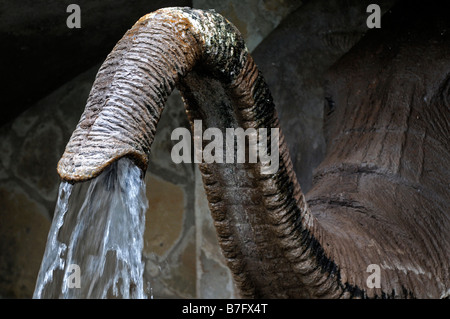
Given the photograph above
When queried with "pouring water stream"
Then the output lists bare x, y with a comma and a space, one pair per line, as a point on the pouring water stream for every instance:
94, 246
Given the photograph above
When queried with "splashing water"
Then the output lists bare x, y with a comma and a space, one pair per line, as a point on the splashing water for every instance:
94, 247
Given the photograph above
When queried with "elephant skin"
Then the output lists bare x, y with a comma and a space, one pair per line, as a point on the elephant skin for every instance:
294, 58
380, 196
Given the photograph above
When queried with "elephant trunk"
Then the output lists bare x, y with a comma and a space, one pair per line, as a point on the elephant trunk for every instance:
129, 93
265, 229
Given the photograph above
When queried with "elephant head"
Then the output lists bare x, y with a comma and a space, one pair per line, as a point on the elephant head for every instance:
380, 197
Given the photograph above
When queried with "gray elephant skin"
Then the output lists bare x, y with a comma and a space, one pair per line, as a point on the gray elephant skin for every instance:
380, 198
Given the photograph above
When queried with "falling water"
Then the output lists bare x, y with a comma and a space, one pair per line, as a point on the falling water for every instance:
95, 243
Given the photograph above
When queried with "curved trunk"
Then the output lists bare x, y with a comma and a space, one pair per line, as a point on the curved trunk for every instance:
274, 245
264, 227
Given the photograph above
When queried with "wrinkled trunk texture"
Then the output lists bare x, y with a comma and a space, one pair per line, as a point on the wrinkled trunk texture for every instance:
383, 188
261, 229
274, 245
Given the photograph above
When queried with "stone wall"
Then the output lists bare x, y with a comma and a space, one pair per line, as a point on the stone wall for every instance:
30, 147
181, 252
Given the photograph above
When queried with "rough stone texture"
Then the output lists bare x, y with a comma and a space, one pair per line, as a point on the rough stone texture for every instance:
215, 280
173, 276
33, 142
36, 165
30, 148
23, 234
164, 218
171, 269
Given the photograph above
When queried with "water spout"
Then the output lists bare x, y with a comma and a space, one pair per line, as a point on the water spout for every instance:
95, 242
110, 146
205, 57
275, 244
159, 52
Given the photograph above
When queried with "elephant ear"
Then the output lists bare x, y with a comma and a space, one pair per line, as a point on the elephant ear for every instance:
381, 194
